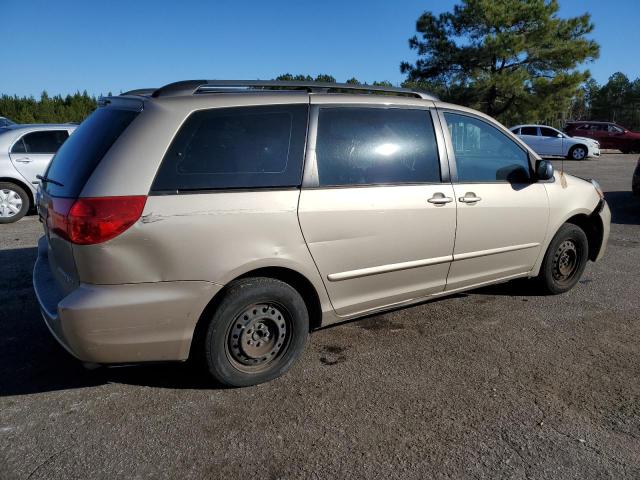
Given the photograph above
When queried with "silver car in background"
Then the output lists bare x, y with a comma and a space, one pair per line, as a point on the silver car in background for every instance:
25, 153
547, 141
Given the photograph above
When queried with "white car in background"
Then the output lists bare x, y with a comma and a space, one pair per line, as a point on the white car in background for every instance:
547, 141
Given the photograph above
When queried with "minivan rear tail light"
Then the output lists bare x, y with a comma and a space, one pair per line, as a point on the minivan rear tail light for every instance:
87, 221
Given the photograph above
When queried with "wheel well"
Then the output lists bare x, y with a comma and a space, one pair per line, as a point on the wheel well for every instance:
592, 226
578, 145
22, 185
298, 281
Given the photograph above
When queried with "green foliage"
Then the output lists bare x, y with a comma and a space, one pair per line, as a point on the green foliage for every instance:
58, 109
513, 59
618, 100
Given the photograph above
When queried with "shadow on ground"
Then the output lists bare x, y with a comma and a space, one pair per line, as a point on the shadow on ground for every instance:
625, 207
31, 361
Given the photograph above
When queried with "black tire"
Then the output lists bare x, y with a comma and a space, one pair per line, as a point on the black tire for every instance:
565, 260
573, 150
10, 190
269, 321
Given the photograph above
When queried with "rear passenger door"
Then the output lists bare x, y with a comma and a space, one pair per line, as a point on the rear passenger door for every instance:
529, 135
377, 209
32, 152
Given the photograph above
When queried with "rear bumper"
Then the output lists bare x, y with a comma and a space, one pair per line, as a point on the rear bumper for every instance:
122, 323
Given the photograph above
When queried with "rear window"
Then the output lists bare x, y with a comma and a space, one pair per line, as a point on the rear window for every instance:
80, 154
239, 147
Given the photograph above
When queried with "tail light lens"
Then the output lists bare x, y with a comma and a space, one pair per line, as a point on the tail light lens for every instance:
87, 221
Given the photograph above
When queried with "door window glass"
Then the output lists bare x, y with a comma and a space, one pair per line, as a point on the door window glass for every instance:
19, 147
45, 142
367, 146
548, 132
529, 131
483, 153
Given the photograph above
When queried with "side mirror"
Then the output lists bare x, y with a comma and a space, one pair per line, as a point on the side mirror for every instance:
544, 170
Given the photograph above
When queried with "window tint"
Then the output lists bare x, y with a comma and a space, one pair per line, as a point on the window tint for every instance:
241, 147
548, 132
363, 146
516, 131
19, 147
44, 142
483, 153
529, 131
79, 156
615, 129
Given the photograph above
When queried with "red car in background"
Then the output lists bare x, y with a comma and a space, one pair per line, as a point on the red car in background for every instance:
609, 134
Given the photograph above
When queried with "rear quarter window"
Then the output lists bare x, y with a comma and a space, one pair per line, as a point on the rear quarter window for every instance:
239, 147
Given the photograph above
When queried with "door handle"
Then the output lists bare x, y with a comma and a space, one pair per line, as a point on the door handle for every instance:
439, 199
23, 160
469, 197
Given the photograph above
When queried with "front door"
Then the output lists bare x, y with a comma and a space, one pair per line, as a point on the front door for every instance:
502, 211
32, 152
375, 212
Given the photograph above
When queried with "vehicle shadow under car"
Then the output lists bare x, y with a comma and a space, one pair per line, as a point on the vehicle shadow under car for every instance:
31, 361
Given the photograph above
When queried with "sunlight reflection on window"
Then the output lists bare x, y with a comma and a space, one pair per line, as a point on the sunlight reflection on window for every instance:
387, 149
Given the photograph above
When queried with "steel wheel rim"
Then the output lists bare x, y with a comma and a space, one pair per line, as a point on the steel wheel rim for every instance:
258, 337
10, 203
566, 261
579, 153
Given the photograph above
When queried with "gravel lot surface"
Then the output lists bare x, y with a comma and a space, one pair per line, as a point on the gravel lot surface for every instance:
495, 383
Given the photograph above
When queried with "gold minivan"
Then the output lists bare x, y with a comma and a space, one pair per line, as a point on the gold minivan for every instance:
225, 220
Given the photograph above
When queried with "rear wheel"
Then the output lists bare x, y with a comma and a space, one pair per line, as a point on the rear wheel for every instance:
565, 260
578, 152
14, 202
257, 332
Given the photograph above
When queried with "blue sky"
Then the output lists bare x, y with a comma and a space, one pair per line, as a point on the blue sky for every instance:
68, 45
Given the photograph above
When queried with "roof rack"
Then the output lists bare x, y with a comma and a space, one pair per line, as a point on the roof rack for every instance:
192, 87
139, 91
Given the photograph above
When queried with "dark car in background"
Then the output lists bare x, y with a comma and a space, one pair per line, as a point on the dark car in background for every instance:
609, 134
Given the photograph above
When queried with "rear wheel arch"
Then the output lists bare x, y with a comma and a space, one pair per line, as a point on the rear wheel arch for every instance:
22, 185
293, 278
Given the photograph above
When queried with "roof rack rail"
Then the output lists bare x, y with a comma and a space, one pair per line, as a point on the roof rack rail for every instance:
139, 91
192, 87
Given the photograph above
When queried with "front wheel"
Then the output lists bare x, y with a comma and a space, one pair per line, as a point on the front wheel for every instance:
257, 332
565, 260
14, 202
578, 153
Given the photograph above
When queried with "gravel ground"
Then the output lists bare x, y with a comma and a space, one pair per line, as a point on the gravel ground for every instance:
495, 383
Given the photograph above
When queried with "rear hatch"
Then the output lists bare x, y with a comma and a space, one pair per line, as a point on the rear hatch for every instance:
66, 176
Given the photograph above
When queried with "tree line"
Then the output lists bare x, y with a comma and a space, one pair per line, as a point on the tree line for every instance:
515, 60
47, 109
